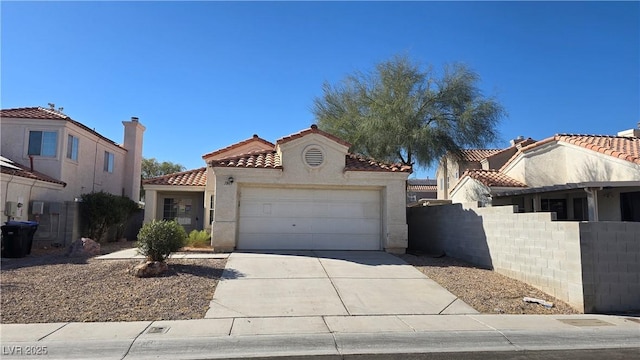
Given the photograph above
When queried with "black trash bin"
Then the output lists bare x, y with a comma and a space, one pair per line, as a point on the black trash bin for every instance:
17, 238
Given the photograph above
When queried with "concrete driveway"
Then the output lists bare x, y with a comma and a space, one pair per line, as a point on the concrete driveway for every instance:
320, 283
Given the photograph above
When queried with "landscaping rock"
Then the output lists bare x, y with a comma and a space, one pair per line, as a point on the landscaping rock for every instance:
150, 269
84, 247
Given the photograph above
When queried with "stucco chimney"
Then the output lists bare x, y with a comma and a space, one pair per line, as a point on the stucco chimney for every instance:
517, 140
631, 132
133, 132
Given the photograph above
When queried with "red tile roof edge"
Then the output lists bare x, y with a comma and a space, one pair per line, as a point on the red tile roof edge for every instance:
594, 147
374, 165
27, 173
463, 154
224, 162
312, 130
48, 114
157, 180
238, 144
477, 174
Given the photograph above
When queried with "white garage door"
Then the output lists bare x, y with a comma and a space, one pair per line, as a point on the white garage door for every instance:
309, 219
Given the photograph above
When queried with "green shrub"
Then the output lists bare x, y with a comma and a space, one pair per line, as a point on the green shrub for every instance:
199, 239
158, 239
101, 211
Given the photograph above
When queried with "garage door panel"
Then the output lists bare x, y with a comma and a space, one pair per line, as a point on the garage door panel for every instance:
283, 225
309, 219
337, 241
279, 241
346, 226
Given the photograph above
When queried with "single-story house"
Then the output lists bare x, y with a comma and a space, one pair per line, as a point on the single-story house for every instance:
304, 192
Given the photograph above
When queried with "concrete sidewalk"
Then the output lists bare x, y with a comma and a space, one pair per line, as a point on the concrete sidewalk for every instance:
327, 337
329, 305
322, 283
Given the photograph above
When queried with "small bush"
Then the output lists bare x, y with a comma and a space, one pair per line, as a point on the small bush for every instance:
158, 239
199, 239
101, 211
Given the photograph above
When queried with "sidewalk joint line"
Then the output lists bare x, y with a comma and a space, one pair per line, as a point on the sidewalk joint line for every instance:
406, 323
445, 308
333, 336
65, 324
136, 339
233, 322
334, 285
498, 331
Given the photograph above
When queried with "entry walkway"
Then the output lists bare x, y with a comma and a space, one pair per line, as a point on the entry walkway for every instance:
327, 283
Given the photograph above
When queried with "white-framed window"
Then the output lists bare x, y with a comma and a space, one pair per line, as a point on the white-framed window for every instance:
211, 209
43, 143
109, 159
72, 147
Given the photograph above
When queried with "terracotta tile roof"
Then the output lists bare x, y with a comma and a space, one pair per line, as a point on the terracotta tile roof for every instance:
492, 178
622, 147
41, 113
196, 177
258, 160
625, 148
422, 188
312, 130
422, 185
33, 113
360, 163
476, 155
239, 144
9, 167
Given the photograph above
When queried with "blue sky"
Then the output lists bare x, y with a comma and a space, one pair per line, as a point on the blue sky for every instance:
203, 75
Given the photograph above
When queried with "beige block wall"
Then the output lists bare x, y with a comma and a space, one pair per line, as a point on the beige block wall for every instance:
550, 255
611, 265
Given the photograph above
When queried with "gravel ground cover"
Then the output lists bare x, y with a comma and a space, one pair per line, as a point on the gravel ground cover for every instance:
47, 286
485, 290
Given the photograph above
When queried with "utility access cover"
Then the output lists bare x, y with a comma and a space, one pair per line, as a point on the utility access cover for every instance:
585, 322
158, 330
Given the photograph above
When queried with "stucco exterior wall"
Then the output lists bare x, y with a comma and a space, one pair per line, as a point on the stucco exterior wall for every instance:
23, 190
570, 164
470, 190
296, 174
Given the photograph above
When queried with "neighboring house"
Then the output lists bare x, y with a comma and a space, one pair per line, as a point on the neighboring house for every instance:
18, 182
63, 159
304, 192
453, 165
418, 189
579, 177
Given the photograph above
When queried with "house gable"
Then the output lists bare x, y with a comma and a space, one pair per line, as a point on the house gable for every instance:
251, 145
576, 158
312, 154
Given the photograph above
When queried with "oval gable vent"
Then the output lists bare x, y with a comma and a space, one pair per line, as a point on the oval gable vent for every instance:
314, 157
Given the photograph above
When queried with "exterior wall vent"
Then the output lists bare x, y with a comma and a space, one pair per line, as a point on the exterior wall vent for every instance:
313, 156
